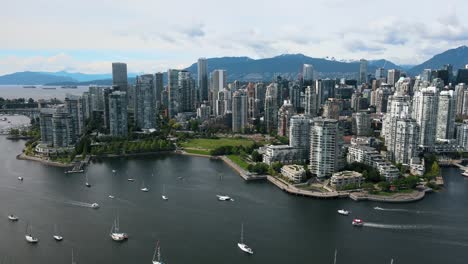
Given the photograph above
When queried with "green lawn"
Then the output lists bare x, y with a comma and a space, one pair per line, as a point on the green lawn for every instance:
239, 161
197, 151
208, 144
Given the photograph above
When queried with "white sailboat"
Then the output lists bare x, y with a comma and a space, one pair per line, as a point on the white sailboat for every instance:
163, 196
241, 244
56, 236
157, 255
87, 182
73, 258
115, 233
143, 187
29, 237
13, 218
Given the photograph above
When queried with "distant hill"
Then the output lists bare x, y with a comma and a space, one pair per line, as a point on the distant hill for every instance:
287, 65
81, 77
32, 78
458, 57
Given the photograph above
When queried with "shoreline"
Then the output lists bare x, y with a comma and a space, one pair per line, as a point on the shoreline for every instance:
247, 176
56, 164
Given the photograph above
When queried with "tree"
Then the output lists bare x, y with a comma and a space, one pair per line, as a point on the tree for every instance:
256, 157
276, 166
384, 186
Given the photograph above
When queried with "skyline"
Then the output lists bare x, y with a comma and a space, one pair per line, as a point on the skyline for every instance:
49, 35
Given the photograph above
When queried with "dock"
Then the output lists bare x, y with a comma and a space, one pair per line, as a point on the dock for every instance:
79, 166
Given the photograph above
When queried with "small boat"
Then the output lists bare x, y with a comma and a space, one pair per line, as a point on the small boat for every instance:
113, 171
224, 198
378, 208
115, 234
465, 173
130, 179
13, 218
157, 255
336, 252
343, 212
29, 237
111, 196
242, 245
20, 178
143, 187
163, 196
87, 182
73, 259
56, 236
357, 222
95, 205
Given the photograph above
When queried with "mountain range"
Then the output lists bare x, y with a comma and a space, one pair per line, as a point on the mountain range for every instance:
248, 69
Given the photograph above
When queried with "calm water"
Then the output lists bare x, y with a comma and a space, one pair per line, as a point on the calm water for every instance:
194, 227
17, 91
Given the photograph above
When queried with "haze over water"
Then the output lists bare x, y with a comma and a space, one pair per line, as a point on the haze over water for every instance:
193, 227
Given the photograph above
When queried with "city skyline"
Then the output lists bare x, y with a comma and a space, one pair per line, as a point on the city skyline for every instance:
61, 39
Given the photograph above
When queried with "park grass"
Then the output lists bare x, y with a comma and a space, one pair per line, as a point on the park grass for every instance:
207, 144
197, 151
239, 161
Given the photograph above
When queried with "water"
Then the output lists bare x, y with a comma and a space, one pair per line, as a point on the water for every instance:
193, 227
17, 91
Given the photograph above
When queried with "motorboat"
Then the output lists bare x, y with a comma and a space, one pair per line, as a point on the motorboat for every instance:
357, 222
111, 196
12, 218
130, 179
20, 178
113, 171
378, 208
465, 173
157, 255
343, 212
115, 234
95, 205
242, 245
224, 198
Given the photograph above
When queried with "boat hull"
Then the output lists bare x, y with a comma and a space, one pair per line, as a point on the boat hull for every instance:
245, 248
31, 239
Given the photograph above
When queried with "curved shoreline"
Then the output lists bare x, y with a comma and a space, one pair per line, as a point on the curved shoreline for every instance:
23, 156
286, 187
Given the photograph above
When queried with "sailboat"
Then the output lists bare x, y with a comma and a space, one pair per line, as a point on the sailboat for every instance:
157, 255
87, 182
164, 197
29, 237
56, 236
391, 262
143, 187
73, 259
241, 244
115, 234
334, 262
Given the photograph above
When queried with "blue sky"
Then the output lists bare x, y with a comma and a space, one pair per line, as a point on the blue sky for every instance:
154, 35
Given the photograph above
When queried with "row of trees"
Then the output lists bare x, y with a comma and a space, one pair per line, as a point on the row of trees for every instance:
128, 147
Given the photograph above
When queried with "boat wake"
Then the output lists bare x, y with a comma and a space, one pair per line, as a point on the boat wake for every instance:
402, 210
405, 227
82, 204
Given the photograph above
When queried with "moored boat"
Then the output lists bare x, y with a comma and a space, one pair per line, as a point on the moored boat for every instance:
343, 212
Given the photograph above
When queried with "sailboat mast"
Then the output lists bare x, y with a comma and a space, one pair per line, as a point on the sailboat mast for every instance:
242, 233
334, 262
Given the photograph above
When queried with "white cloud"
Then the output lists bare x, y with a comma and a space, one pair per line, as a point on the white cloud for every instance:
180, 32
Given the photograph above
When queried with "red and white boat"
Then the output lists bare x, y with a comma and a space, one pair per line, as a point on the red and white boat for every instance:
357, 222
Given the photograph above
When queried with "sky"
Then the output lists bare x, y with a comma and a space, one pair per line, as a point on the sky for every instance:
153, 35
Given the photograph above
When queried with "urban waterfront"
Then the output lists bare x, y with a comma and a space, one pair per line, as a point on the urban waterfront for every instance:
194, 227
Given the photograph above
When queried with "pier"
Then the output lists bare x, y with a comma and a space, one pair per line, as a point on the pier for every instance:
79, 166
